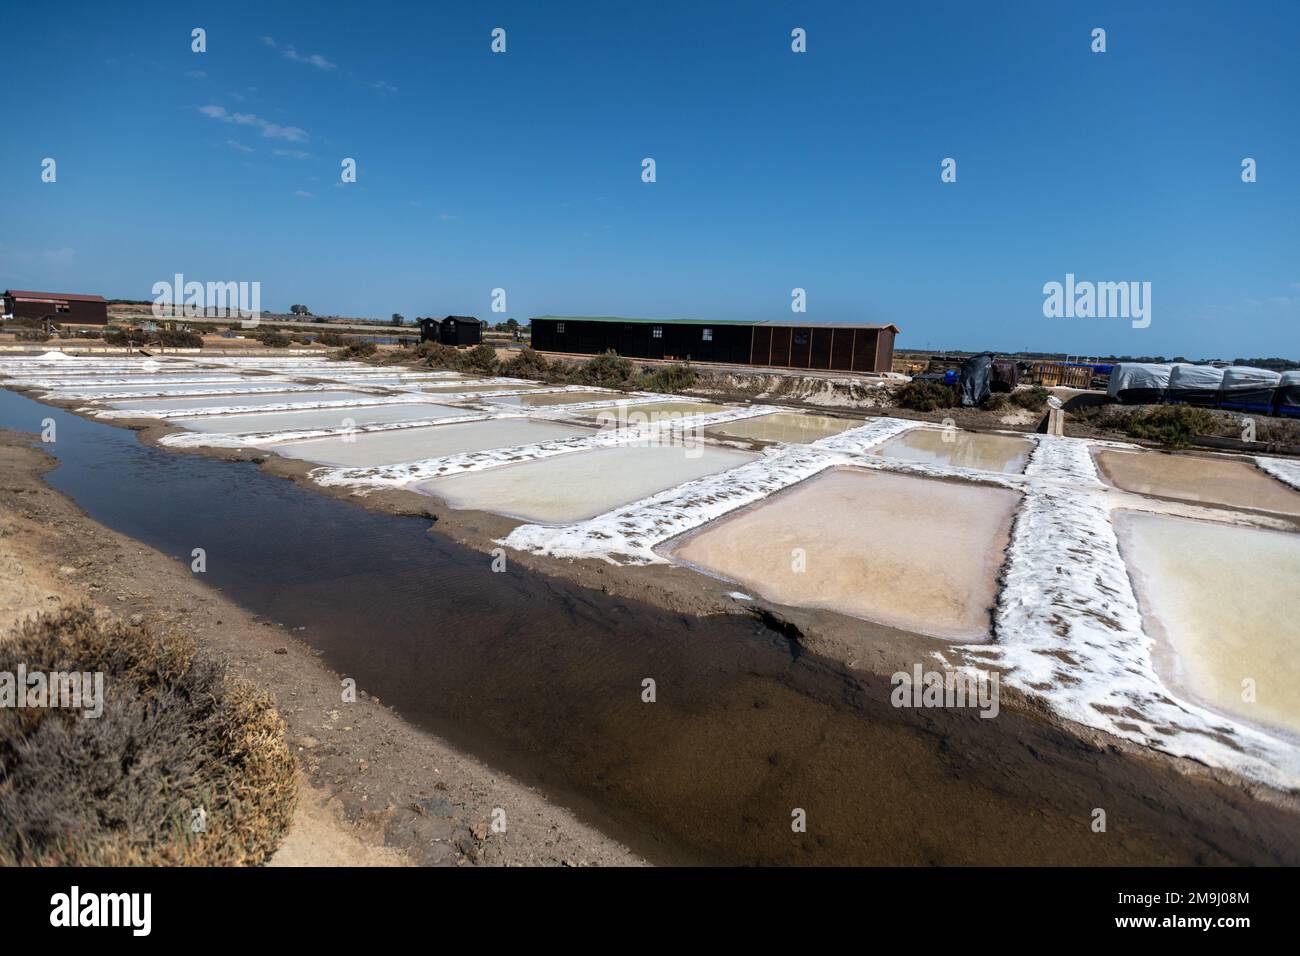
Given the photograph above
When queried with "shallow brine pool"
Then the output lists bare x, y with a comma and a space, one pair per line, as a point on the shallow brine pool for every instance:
556, 398
914, 553
620, 416
1218, 481
443, 386
317, 418
1221, 601
415, 444
960, 449
786, 427
581, 485
240, 401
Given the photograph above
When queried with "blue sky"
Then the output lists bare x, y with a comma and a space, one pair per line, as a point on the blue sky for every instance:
775, 170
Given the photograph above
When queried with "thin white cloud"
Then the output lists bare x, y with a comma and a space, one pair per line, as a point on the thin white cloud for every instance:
196, 74
315, 59
239, 147
383, 87
302, 194
292, 153
292, 134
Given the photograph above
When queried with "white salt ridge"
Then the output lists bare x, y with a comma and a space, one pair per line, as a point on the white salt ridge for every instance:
189, 392
389, 476
241, 440
143, 379
1286, 470
1067, 628
628, 535
405, 398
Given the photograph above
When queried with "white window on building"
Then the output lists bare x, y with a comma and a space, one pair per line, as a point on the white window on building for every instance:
559, 328
708, 335
656, 331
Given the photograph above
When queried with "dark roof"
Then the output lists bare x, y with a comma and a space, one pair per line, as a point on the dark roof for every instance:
774, 323
462, 318
54, 296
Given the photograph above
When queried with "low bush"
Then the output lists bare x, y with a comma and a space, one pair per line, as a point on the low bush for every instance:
180, 339
436, 355
921, 395
527, 364
480, 360
178, 742
607, 371
1032, 399
333, 339
272, 339
357, 350
668, 378
1171, 425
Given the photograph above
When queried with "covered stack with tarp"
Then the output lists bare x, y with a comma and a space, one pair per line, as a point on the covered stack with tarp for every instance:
1138, 383
1247, 389
1194, 385
1005, 376
1287, 396
976, 375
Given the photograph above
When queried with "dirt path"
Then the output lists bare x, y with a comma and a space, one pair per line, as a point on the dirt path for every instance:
377, 791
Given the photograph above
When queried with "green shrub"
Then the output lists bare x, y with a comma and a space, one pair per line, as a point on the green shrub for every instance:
357, 350
527, 364
436, 355
481, 360
179, 339
921, 395
1172, 425
668, 378
1032, 399
176, 734
607, 371
332, 339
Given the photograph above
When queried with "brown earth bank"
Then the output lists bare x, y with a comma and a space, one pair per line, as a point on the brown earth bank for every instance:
378, 791
1018, 789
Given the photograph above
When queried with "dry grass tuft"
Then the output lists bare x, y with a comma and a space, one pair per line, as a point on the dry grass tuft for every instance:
176, 734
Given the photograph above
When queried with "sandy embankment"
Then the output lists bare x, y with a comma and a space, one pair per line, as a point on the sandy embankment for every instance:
377, 791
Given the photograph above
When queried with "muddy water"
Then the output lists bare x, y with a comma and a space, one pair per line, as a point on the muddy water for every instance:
1223, 600
912, 553
786, 427
554, 398
1196, 478
960, 449
544, 680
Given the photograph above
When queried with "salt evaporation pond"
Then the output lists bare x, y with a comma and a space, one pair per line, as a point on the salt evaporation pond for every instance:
1219, 481
240, 401
370, 449
556, 398
195, 388
622, 415
1221, 601
581, 485
786, 427
959, 449
914, 553
317, 418
443, 386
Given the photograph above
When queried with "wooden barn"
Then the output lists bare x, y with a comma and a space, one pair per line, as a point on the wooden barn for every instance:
453, 330
59, 308
840, 347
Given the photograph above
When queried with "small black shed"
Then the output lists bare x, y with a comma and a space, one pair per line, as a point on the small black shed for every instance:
453, 330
